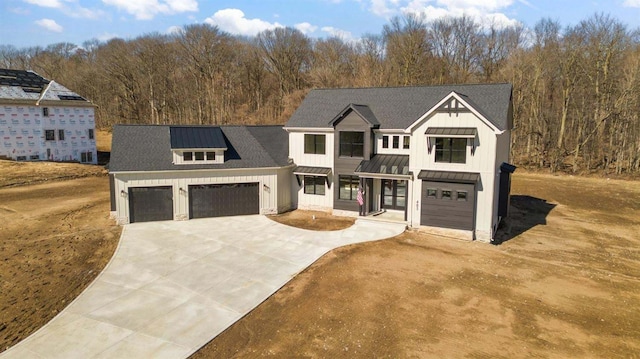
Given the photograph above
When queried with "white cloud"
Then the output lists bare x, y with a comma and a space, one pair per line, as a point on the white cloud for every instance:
235, 22
631, 3
148, 9
49, 24
174, 30
342, 34
104, 37
70, 8
305, 27
484, 11
45, 3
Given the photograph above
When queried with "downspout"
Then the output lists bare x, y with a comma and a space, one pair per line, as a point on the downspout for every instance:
44, 92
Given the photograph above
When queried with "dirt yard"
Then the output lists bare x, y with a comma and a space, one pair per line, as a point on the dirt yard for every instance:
55, 237
564, 283
313, 220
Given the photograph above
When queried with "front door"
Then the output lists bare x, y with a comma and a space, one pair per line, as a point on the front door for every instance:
394, 194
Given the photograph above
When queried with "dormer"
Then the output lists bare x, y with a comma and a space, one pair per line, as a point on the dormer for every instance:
197, 145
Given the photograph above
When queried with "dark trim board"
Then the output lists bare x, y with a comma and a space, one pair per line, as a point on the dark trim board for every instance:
218, 200
452, 212
147, 204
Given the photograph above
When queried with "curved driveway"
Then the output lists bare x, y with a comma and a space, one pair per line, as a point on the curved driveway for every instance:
173, 286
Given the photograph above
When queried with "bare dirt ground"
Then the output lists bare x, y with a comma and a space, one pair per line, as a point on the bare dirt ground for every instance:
55, 237
313, 220
564, 283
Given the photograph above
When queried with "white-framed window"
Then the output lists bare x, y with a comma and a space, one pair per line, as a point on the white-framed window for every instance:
198, 156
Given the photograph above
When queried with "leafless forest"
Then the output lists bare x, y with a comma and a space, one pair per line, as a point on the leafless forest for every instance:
576, 89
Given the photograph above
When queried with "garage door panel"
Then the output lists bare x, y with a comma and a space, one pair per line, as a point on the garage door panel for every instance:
150, 204
448, 213
223, 200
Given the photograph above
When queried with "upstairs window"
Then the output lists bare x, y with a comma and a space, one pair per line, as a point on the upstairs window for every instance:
191, 157
45, 112
385, 141
91, 135
61, 135
396, 141
406, 140
352, 144
451, 150
314, 144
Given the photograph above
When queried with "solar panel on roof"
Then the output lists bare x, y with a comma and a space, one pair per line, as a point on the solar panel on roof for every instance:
71, 97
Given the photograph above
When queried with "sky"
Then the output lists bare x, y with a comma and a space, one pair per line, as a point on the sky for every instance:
26, 23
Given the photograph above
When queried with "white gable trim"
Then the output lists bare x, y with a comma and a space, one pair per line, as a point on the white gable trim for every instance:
453, 94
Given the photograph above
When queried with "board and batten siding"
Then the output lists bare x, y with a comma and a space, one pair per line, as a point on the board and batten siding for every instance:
503, 154
267, 180
482, 161
347, 165
296, 152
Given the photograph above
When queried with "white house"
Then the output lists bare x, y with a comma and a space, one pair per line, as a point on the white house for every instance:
434, 157
43, 120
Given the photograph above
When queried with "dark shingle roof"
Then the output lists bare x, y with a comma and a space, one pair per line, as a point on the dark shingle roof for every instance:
29, 86
148, 148
362, 110
399, 107
196, 137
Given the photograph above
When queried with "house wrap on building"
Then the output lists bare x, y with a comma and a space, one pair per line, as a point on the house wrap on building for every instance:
437, 157
43, 120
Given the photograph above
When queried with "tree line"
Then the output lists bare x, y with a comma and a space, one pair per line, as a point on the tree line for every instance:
576, 89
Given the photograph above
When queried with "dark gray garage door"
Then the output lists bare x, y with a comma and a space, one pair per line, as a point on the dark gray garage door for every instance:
150, 204
217, 200
448, 205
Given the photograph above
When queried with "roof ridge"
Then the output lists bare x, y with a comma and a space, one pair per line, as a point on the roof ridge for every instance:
409, 87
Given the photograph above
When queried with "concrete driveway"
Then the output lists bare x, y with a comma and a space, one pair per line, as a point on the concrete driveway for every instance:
173, 286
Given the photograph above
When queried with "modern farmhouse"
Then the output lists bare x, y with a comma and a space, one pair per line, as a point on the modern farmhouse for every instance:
43, 120
432, 156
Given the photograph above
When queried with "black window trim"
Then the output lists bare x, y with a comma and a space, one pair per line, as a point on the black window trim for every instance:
446, 155
49, 132
351, 145
352, 180
318, 148
317, 182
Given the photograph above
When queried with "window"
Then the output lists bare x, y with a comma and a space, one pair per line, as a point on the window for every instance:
49, 135
187, 156
352, 144
446, 194
385, 141
86, 157
396, 141
314, 144
314, 185
211, 156
348, 187
406, 140
91, 134
451, 150
462, 196
431, 193
45, 112
199, 156
61, 135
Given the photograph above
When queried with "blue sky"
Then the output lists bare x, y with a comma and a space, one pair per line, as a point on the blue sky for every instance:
26, 23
